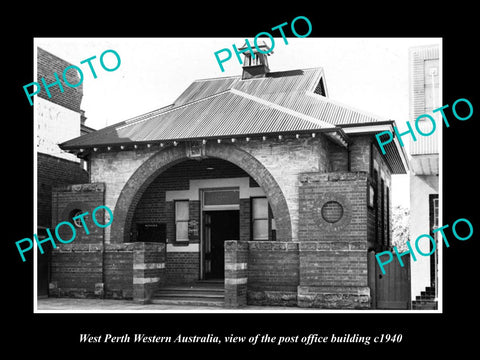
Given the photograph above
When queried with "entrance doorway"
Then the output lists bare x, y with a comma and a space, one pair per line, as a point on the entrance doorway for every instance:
219, 225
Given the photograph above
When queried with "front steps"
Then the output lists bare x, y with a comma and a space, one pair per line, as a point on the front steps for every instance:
426, 300
200, 293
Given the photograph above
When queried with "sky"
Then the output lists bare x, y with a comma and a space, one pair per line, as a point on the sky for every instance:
370, 74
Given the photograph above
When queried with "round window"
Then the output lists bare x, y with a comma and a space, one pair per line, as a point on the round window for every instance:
78, 221
332, 211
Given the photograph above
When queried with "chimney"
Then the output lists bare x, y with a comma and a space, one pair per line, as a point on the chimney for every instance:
255, 67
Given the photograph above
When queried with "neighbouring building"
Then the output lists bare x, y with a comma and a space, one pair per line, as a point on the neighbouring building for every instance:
424, 182
259, 185
58, 118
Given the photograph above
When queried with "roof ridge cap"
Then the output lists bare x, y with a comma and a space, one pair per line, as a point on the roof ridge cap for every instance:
173, 108
346, 106
219, 78
282, 108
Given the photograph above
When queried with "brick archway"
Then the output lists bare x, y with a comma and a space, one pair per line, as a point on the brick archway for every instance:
161, 161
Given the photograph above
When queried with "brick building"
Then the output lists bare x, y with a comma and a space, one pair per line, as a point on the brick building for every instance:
258, 184
57, 118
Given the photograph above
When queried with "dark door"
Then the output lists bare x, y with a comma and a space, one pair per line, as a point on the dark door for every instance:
219, 226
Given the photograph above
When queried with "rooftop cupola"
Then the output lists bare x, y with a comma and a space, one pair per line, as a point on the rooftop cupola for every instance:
255, 65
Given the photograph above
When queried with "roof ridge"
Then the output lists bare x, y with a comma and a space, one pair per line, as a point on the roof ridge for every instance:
219, 78
149, 113
284, 109
345, 106
271, 72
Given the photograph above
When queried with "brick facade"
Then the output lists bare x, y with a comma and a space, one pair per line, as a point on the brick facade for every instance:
47, 65
182, 267
333, 255
76, 267
269, 283
127, 181
87, 266
319, 194
51, 172
274, 165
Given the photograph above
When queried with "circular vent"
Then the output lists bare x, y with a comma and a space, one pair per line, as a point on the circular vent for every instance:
332, 211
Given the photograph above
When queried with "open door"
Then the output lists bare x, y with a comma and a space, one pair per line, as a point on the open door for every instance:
218, 227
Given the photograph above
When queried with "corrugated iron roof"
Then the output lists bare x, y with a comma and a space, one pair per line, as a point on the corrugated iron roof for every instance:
280, 102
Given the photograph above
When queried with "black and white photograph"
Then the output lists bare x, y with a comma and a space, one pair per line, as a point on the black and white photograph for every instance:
255, 190
276, 189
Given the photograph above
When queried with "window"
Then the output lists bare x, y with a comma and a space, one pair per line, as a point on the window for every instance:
221, 197
382, 213
78, 221
388, 218
320, 88
263, 224
259, 59
371, 196
181, 220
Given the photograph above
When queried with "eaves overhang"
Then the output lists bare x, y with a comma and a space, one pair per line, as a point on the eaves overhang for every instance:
395, 154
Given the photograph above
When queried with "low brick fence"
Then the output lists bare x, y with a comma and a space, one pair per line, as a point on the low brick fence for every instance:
261, 273
304, 274
113, 271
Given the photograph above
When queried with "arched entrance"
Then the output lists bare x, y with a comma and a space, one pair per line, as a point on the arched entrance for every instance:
163, 160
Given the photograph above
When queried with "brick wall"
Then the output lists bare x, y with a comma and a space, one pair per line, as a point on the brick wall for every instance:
51, 172
273, 273
347, 189
118, 271
285, 160
77, 267
245, 220
115, 169
47, 64
76, 273
338, 158
333, 254
170, 219
360, 155
113, 271
152, 206
182, 267
84, 197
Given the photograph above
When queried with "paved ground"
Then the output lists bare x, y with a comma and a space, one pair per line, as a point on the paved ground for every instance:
100, 305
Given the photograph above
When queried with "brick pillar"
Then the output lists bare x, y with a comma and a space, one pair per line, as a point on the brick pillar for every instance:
332, 276
236, 276
148, 270
333, 241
